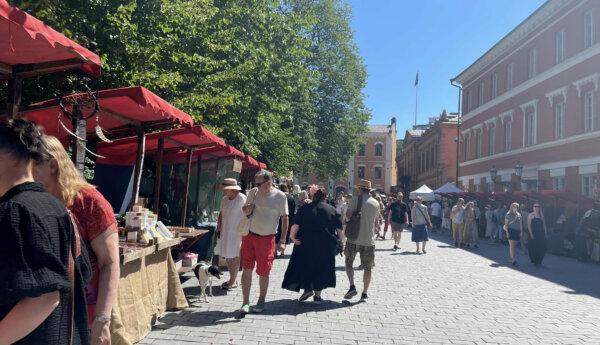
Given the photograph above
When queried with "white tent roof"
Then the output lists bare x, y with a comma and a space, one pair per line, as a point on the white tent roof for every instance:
448, 188
424, 192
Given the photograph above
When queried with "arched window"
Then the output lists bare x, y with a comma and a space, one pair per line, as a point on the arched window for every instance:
379, 149
361, 149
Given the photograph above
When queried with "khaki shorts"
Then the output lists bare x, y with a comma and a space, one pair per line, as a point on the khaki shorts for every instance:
398, 226
367, 254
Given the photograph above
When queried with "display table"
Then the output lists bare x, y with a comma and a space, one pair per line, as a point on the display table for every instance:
149, 286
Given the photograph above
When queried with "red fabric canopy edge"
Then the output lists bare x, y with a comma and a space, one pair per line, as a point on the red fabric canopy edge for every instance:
36, 29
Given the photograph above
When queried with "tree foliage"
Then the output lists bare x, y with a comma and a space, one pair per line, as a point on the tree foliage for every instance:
281, 80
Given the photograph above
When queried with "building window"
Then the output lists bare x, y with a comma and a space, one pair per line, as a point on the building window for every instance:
379, 149
588, 185
377, 172
530, 129
509, 76
507, 135
481, 94
558, 183
559, 120
469, 100
432, 158
478, 143
492, 139
466, 148
361, 149
494, 85
589, 27
560, 46
589, 107
532, 63
361, 171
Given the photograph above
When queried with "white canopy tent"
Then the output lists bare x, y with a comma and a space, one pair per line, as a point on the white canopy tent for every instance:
424, 192
448, 188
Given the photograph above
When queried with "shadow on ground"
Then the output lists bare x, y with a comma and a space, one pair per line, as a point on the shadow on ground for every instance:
580, 277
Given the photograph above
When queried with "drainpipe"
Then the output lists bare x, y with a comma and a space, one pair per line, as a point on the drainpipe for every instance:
457, 129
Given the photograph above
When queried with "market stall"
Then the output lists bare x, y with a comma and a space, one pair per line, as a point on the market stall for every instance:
30, 48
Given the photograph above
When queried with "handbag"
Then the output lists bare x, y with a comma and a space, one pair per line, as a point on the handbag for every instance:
423, 214
353, 225
244, 226
74, 253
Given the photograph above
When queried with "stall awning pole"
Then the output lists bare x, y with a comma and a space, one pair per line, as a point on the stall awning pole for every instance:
187, 186
139, 163
158, 174
198, 174
14, 91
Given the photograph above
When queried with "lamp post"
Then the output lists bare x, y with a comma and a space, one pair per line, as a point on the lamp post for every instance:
493, 176
519, 172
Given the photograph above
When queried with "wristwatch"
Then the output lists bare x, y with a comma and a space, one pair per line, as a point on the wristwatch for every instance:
102, 318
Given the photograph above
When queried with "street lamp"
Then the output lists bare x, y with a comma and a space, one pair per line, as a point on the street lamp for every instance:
519, 170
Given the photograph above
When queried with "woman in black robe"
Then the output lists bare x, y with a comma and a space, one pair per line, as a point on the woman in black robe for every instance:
315, 236
538, 242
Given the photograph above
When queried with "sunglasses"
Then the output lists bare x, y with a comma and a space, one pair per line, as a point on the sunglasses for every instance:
536, 206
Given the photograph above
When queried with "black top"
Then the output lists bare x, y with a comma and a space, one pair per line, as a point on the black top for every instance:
399, 210
36, 232
319, 218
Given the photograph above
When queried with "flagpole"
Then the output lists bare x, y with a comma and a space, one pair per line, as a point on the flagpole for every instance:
416, 101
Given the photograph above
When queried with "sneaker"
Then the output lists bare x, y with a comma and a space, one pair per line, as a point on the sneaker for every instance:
245, 309
364, 297
318, 300
258, 308
351, 292
395, 247
306, 295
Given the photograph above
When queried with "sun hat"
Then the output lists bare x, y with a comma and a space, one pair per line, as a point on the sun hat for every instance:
230, 184
364, 184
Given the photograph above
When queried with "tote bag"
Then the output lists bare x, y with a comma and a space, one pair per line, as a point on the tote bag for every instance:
244, 226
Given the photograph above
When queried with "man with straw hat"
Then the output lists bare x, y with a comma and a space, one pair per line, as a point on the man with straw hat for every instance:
228, 236
364, 243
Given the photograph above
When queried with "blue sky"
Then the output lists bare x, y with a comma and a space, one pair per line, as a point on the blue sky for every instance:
439, 38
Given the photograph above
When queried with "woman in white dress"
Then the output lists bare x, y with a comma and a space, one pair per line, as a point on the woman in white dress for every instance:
228, 237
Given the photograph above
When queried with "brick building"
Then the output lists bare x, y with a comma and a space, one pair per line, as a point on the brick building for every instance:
531, 102
429, 154
376, 158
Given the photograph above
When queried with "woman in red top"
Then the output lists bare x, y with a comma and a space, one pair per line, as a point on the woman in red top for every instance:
97, 226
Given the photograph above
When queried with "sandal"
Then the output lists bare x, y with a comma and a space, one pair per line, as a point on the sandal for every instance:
225, 286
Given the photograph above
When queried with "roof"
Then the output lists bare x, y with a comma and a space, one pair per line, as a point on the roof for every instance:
536, 20
121, 110
28, 47
379, 128
123, 151
416, 132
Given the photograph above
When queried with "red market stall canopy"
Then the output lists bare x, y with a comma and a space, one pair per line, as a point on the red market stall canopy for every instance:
121, 112
28, 47
197, 138
250, 162
262, 166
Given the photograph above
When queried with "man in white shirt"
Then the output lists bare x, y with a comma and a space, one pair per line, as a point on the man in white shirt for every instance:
436, 215
266, 205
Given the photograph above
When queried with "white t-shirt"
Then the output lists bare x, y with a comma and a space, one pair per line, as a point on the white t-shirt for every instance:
268, 209
459, 216
436, 209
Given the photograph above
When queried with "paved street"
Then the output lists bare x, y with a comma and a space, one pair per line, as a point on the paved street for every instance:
448, 296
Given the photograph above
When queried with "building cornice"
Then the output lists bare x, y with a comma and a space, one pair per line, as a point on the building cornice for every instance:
592, 78
558, 92
503, 116
532, 103
524, 29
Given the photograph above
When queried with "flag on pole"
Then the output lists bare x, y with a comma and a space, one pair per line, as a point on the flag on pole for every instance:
417, 79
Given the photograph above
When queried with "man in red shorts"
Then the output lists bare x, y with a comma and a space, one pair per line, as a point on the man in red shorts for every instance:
258, 247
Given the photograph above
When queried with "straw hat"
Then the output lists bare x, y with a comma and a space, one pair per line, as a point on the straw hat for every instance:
231, 184
364, 184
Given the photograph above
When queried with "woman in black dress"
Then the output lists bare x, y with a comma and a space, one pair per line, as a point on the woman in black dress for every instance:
315, 235
35, 284
538, 242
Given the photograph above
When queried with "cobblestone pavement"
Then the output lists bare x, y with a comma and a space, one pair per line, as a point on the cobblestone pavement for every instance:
448, 296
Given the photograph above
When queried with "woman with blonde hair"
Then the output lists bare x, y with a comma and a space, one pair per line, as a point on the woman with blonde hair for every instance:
97, 227
513, 226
